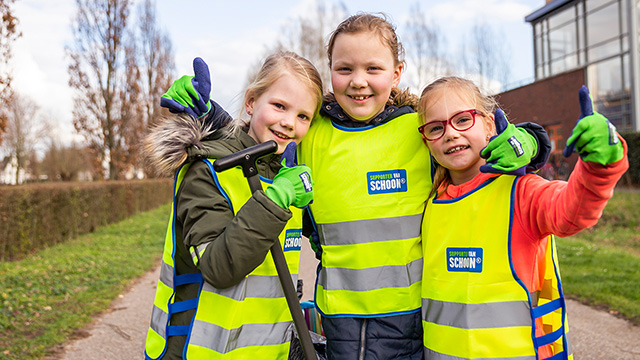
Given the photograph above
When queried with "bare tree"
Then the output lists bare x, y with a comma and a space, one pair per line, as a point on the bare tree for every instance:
8, 34
157, 60
25, 130
307, 35
425, 48
486, 55
157, 71
65, 162
97, 72
131, 113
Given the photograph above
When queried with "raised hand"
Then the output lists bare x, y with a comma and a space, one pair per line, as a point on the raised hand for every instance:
510, 151
190, 94
594, 137
292, 185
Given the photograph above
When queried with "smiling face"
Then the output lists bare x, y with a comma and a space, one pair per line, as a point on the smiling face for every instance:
363, 72
283, 112
458, 151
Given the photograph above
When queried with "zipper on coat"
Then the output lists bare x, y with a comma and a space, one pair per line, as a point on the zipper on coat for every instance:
363, 332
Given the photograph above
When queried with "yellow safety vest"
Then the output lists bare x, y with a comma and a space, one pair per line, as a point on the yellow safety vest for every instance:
473, 304
370, 189
247, 321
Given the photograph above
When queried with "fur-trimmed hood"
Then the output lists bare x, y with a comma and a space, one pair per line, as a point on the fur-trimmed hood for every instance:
179, 138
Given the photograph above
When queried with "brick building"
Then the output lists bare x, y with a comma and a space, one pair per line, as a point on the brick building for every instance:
592, 42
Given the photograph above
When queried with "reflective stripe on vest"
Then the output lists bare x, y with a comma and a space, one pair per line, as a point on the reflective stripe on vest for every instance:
248, 320
474, 305
370, 189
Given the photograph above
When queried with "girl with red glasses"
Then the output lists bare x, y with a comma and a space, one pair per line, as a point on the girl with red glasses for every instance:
491, 288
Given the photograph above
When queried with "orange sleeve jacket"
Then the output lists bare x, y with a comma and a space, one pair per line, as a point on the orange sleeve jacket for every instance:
544, 207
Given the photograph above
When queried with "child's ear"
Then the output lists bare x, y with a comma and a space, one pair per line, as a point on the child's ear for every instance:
491, 124
248, 106
396, 75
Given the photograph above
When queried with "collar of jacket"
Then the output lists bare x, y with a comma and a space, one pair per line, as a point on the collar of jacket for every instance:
335, 112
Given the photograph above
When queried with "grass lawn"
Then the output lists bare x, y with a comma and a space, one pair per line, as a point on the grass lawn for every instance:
47, 296
601, 266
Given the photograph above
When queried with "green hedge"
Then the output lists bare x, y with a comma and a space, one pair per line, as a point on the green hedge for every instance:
632, 177
40, 215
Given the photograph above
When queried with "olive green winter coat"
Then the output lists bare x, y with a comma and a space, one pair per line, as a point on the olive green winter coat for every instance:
238, 243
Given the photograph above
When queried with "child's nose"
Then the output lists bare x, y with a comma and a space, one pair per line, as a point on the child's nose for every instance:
358, 80
450, 132
288, 121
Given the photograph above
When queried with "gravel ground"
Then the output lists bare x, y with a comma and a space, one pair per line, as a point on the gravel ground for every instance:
120, 332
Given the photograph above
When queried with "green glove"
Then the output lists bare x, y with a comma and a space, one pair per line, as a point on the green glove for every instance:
190, 94
511, 150
292, 185
594, 137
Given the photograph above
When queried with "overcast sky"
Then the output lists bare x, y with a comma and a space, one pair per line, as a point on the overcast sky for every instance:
231, 35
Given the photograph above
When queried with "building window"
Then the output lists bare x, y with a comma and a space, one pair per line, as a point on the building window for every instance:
603, 24
556, 139
608, 91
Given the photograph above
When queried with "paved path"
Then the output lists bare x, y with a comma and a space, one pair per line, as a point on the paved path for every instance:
120, 333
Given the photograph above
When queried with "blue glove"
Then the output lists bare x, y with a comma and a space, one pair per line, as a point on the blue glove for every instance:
510, 151
594, 137
190, 94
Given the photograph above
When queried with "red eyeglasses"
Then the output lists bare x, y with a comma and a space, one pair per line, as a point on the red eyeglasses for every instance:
461, 121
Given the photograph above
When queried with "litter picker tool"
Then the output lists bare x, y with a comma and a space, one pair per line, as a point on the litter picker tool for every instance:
246, 159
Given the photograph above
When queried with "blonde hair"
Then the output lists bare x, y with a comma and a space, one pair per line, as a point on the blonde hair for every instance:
276, 65
484, 104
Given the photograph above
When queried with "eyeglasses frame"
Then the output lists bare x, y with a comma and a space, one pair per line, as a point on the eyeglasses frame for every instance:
444, 123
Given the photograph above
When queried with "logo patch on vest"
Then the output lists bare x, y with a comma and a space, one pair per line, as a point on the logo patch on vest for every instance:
390, 181
292, 240
464, 259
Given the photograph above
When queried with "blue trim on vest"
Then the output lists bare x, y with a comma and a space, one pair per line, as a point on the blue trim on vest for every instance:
433, 167
170, 329
187, 279
182, 306
348, 129
562, 299
548, 338
178, 330
264, 179
183, 330
513, 269
547, 308
449, 201
217, 182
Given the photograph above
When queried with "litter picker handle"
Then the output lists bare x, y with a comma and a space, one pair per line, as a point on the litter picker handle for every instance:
247, 160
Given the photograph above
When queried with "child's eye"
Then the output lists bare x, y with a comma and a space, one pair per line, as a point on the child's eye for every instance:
278, 105
462, 120
343, 69
435, 129
373, 68
303, 117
